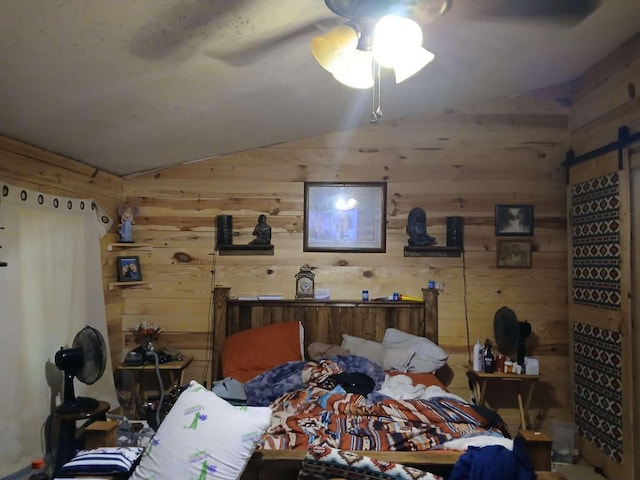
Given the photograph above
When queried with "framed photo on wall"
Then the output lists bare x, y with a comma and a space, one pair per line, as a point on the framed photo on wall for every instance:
513, 253
514, 220
345, 217
128, 269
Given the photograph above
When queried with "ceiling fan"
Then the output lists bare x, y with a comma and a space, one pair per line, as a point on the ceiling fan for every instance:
426, 11
175, 31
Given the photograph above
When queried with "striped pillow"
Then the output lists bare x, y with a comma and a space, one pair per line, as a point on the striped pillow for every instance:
102, 461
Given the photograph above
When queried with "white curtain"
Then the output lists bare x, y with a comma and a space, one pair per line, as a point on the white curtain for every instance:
49, 290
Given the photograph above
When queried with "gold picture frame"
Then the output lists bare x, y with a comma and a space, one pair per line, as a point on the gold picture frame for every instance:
514, 253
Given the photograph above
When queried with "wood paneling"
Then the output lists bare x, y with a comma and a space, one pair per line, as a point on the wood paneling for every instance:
460, 162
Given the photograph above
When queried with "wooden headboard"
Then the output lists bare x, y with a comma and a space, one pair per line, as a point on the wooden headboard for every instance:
323, 320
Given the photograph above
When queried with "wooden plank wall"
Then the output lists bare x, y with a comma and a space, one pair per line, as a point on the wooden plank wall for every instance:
607, 97
460, 162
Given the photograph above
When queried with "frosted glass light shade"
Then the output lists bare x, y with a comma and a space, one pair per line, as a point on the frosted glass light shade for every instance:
392, 36
414, 61
355, 69
328, 48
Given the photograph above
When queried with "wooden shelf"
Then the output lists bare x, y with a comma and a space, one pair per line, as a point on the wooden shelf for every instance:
245, 249
129, 246
114, 285
432, 251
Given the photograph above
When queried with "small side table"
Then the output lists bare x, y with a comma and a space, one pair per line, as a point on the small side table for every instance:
174, 369
67, 443
482, 380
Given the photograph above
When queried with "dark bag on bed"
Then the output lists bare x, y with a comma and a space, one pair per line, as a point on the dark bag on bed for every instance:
354, 382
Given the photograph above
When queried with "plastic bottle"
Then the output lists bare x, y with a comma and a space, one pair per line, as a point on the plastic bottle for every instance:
37, 470
478, 357
489, 359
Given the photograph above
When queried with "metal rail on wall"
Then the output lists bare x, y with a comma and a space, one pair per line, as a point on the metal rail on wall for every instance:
624, 139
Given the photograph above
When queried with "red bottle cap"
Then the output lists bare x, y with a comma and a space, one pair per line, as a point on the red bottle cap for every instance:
37, 463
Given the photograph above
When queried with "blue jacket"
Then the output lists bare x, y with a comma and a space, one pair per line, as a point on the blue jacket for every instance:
494, 463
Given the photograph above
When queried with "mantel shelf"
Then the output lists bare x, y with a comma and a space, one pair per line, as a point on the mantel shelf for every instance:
129, 246
114, 285
432, 251
245, 249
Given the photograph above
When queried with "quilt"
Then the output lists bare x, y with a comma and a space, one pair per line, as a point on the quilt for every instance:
321, 413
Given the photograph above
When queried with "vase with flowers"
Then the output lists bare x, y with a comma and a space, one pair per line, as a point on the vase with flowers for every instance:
147, 334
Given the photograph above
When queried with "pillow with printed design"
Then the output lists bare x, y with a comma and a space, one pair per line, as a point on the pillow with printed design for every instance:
203, 435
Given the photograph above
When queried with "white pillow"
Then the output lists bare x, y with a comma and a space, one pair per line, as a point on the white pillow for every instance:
203, 433
429, 356
362, 347
397, 359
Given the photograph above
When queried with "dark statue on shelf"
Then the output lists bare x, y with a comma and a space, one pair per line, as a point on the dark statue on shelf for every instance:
262, 232
417, 229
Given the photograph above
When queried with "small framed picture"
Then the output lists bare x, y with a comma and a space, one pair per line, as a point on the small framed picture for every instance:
514, 220
129, 269
512, 253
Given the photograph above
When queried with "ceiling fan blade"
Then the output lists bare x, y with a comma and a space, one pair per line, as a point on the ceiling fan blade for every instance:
239, 55
569, 12
178, 29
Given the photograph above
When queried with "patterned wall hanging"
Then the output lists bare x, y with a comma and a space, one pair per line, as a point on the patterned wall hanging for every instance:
595, 228
598, 387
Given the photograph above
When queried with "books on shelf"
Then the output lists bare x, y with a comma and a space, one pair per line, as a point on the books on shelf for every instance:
272, 296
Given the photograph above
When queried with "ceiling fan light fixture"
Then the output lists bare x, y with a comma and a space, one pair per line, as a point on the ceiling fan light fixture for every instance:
411, 62
355, 69
330, 47
392, 36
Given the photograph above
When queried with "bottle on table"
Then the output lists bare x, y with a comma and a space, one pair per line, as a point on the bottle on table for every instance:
489, 359
478, 357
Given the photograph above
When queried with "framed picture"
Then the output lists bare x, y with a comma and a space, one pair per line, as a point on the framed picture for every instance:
345, 217
128, 269
512, 253
514, 220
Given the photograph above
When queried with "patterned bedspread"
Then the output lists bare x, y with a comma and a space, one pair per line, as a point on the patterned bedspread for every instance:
318, 414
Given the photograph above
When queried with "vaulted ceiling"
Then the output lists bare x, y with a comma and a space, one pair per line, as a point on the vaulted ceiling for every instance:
132, 85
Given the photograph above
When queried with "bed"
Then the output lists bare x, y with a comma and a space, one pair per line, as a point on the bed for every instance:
282, 448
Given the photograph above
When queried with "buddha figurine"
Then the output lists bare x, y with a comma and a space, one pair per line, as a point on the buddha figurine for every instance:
417, 229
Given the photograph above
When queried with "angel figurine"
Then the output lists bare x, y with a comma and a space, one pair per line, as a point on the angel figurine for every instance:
127, 218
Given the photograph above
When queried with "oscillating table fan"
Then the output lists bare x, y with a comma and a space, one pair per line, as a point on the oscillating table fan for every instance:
86, 360
510, 334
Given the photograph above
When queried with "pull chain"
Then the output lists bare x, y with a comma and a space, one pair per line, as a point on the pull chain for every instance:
376, 108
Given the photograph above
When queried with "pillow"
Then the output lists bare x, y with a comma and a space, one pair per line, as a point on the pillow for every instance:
319, 350
362, 347
203, 435
102, 461
397, 359
426, 379
324, 463
429, 356
249, 353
